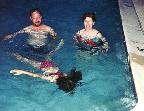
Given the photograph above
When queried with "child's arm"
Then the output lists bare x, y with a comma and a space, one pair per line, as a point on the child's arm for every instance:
42, 76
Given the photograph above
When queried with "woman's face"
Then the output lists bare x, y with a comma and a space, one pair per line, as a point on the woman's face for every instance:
88, 23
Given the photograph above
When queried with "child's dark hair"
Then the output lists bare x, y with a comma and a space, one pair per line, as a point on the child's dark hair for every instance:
89, 14
35, 10
68, 83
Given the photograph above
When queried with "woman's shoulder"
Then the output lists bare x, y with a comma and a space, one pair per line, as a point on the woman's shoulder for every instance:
97, 33
81, 31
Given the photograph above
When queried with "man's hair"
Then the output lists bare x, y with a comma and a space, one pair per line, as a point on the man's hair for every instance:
89, 14
35, 10
68, 83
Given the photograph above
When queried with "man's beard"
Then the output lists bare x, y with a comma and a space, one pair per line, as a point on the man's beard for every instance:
37, 24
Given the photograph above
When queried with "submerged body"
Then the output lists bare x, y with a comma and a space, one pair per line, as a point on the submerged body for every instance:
65, 82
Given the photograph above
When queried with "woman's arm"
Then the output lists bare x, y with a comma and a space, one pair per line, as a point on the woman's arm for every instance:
105, 45
99, 35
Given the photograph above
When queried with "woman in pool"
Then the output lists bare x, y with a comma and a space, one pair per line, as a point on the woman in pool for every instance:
90, 38
50, 73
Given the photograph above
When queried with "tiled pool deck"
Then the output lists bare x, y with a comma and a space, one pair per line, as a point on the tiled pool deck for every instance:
132, 15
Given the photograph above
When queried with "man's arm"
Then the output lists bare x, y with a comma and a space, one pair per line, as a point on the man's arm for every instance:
52, 32
14, 34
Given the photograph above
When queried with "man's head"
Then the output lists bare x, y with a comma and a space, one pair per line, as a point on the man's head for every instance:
36, 17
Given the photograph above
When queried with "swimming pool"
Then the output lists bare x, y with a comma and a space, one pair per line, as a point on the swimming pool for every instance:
107, 83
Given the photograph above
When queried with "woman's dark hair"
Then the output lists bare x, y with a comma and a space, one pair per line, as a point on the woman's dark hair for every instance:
68, 83
34, 10
89, 14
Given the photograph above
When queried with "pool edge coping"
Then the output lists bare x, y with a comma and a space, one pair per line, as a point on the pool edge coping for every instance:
130, 15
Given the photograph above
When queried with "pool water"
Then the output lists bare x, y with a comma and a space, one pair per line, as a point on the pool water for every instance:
107, 83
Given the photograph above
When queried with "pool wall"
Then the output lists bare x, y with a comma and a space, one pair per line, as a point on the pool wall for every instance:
132, 15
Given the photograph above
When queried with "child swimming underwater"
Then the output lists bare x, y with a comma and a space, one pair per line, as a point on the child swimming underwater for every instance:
51, 73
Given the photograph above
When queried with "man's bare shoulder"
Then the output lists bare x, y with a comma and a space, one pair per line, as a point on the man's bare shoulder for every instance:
28, 28
46, 27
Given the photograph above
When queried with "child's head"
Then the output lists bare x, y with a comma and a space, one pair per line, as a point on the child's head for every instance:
75, 76
65, 84
68, 83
